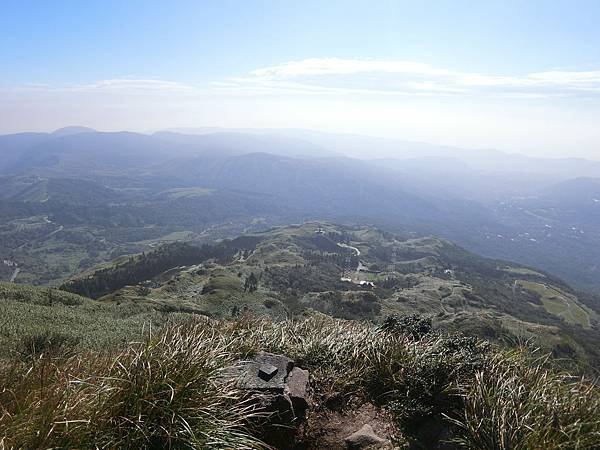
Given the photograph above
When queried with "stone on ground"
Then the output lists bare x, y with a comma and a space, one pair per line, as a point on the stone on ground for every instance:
364, 438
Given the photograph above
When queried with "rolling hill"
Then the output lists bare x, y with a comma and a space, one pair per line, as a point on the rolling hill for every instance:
358, 273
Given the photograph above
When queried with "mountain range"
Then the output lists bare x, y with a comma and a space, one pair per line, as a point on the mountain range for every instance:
539, 212
426, 293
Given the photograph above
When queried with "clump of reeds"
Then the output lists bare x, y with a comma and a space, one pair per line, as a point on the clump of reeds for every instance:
518, 404
166, 393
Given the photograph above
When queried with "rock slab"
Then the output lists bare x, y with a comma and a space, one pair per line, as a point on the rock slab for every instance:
279, 389
296, 389
280, 386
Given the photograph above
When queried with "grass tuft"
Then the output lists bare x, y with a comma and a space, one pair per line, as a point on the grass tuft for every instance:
165, 393
517, 404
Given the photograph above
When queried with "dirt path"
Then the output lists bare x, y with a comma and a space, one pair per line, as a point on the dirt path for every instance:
350, 247
361, 267
60, 228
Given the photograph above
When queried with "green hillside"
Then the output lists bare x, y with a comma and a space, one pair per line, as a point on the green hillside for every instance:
419, 388
35, 320
436, 347
357, 273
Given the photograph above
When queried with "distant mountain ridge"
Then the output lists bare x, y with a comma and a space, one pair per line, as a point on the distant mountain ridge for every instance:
499, 205
369, 147
311, 144
87, 150
66, 131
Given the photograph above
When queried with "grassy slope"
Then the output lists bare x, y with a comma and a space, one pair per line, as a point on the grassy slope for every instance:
560, 304
69, 359
43, 316
299, 268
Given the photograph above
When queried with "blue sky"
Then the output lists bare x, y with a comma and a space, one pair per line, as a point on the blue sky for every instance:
522, 76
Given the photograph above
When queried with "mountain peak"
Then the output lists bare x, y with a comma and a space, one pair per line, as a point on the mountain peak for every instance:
66, 131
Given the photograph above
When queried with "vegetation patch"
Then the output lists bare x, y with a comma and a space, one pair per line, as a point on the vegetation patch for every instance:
168, 391
558, 303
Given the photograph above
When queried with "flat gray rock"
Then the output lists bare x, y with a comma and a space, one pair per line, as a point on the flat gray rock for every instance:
276, 384
265, 372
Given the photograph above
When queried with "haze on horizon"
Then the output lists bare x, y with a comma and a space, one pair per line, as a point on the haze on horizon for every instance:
516, 77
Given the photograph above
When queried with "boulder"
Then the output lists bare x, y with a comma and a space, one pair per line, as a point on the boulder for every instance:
364, 438
296, 389
280, 389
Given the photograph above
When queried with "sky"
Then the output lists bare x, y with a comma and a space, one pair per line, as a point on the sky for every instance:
512, 75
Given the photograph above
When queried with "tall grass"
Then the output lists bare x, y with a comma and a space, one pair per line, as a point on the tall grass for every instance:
517, 404
169, 391
412, 377
166, 393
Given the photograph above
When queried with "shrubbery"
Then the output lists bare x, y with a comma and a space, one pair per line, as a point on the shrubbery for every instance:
414, 325
516, 404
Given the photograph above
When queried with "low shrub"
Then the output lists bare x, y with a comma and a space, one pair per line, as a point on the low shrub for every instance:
413, 325
46, 343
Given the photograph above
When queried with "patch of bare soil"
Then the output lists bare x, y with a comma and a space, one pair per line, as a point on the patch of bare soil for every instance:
329, 429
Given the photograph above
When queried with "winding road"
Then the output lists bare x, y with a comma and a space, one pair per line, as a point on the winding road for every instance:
350, 247
361, 266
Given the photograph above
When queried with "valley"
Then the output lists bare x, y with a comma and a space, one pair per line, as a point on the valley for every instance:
399, 330
112, 238
198, 188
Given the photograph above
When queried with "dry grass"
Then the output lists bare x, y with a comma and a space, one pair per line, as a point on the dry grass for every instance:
166, 393
517, 404
169, 392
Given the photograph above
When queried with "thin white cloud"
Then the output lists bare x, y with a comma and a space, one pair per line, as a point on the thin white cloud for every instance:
115, 85
132, 84
339, 76
338, 66
380, 97
396, 77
